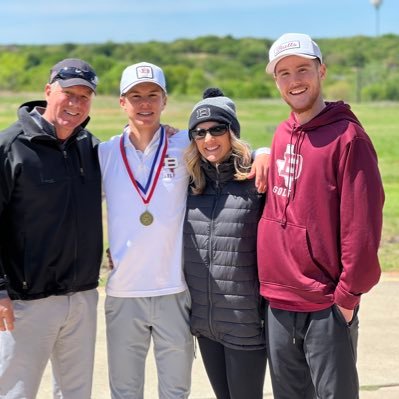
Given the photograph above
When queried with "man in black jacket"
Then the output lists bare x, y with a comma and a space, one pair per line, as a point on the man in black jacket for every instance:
50, 238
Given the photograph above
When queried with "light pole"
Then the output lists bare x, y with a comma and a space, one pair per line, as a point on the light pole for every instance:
376, 4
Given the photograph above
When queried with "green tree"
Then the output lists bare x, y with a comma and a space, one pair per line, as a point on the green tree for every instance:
197, 82
12, 70
176, 79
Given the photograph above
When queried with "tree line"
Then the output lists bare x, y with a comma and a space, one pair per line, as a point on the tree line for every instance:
360, 68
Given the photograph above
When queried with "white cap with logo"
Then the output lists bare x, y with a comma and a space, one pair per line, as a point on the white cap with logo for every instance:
298, 44
140, 73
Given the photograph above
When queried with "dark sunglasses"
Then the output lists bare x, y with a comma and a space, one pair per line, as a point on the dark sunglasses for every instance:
72, 72
218, 130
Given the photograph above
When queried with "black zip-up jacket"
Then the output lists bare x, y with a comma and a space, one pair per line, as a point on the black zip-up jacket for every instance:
50, 209
220, 263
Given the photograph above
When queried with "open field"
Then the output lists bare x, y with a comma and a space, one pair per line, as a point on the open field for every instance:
258, 119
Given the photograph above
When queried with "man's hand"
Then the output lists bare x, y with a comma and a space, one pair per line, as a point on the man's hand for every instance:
6, 315
170, 130
109, 257
347, 313
259, 170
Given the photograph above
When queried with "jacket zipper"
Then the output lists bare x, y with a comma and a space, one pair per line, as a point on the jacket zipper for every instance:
25, 285
75, 249
217, 190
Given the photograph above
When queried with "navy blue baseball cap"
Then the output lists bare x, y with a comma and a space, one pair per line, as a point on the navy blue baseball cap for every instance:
74, 72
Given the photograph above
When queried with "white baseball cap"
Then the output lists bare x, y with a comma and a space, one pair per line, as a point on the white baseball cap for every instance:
140, 73
292, 44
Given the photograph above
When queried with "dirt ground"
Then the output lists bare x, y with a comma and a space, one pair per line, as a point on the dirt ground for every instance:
378, 352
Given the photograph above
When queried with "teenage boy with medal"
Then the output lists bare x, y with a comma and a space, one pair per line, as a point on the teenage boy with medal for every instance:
145, 183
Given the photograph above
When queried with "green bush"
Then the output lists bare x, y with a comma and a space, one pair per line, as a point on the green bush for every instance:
359, 68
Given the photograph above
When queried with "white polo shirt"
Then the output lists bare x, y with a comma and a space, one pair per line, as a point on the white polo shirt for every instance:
147, 259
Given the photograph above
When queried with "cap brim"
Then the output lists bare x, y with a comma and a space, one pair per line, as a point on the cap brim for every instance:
129, 87
271, 66
76, 82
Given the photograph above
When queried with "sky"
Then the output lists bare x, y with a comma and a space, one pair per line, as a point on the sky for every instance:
119, 21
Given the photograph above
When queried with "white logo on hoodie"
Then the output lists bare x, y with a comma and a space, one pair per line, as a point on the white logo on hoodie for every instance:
290, 167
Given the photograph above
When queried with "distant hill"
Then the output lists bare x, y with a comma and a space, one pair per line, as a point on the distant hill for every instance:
359, 68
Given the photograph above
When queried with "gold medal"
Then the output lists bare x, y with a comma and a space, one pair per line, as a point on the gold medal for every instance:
145, 192
146, 218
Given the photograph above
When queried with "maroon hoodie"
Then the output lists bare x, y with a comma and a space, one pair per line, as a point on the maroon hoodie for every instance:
321, 226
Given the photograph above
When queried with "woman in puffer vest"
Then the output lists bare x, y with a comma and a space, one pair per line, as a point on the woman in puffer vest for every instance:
223, 210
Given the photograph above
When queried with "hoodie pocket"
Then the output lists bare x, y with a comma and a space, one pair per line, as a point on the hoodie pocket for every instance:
284, 255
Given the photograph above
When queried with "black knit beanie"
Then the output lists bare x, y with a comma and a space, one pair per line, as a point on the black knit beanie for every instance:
214, 107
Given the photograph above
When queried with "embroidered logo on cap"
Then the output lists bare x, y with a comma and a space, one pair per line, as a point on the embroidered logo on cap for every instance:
287, 46
144, 72
203, 113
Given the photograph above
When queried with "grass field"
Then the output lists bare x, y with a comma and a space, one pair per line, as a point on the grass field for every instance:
258, 119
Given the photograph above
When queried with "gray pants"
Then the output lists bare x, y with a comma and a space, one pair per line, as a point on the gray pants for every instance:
312, 355
131, 322
60, 328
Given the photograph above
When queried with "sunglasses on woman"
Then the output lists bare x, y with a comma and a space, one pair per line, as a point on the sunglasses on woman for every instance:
217, 130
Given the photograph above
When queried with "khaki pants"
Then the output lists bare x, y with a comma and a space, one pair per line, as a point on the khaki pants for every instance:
131, 322
60, 328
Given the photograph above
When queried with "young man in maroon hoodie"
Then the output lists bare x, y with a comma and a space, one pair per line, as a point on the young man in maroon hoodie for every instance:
319, 233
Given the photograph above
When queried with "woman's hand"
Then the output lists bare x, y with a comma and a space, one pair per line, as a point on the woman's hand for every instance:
259, 170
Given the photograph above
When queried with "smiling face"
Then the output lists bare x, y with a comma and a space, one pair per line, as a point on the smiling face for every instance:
299, 82
144, 104
213, 148
67, 108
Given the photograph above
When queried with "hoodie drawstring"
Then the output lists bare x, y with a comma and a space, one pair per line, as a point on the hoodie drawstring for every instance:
297, 152
294, 153
294, 330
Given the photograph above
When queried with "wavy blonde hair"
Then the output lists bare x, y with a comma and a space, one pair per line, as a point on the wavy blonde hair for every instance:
240, 151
